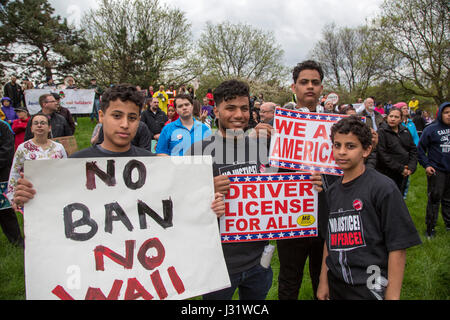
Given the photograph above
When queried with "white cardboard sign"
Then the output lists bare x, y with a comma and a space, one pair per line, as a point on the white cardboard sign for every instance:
122, 228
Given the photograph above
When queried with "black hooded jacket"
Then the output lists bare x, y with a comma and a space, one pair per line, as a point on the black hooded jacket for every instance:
395, 150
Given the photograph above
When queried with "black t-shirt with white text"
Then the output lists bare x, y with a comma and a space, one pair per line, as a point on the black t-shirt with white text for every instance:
368, 218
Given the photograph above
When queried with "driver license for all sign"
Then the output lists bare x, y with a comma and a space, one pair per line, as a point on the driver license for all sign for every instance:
282, 205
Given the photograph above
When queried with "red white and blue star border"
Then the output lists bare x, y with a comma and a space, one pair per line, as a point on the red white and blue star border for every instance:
269, 235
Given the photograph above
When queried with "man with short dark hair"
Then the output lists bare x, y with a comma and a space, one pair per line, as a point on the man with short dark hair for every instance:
154, 118
64, 112
178, 136
307, 86
235, 151
59, 125
293, 253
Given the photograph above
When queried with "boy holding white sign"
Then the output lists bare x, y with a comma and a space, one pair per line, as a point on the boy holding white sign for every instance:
369, 226
120, 115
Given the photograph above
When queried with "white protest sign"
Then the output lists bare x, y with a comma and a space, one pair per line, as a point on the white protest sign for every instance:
269, 207
302, 141
122, 228
333, 97
78, 101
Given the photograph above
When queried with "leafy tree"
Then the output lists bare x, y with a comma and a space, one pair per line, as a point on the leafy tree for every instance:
136, 41
238, 50
36, 42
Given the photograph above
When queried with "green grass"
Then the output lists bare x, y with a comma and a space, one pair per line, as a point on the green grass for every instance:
427, 273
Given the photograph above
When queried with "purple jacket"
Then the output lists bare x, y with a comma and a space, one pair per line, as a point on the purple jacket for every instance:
9, 111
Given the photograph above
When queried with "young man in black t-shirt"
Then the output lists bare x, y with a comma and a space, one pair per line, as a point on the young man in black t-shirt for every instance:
234, 152
369, 226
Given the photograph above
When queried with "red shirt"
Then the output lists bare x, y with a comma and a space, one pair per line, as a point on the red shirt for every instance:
19, 127
210, 98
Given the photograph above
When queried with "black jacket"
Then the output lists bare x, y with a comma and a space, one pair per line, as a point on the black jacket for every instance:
60, 127
378, 118
154, 121
395, 150
14, 92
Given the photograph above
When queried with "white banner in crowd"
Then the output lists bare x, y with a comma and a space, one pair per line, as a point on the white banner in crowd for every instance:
78, 101
122, 228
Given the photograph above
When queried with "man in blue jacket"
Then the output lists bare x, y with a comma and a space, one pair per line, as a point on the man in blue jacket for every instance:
434, 156
178, 136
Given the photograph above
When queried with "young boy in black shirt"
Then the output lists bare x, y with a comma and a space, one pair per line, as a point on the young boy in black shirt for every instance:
369, 226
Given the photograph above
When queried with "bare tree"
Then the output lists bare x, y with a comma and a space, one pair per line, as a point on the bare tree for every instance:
351, 60
329, 52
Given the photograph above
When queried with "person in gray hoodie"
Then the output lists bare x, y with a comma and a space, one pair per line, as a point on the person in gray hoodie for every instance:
434, 156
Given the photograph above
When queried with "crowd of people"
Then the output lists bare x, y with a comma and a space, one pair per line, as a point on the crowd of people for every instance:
377, 156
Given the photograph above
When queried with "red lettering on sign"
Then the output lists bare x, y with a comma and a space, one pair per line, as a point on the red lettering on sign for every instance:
284, 125
274, 193
176, 280
306, 188
159, 285
126, 262
254, 224
323, 157
233, 193
97, 294
151, 263
228, 224
61, 293
136, 290
298, 149
309, 146
321, 132
249, 210
295, 206
290, 189
308, 205
249, 190
299, 129
288, 148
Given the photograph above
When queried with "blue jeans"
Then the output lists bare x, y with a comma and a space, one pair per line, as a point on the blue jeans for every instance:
253, 284
95, 108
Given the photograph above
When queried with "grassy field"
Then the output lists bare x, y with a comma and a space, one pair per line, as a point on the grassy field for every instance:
427, 274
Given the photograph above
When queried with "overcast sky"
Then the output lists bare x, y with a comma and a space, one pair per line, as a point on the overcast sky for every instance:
296, 24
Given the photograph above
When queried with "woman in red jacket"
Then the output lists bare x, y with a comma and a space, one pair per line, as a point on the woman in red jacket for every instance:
19, 125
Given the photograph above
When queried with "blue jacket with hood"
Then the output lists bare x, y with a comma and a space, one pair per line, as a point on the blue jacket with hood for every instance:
434, 144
